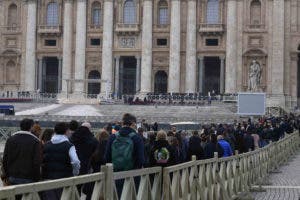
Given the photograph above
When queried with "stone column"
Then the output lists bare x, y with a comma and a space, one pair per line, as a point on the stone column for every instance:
107, 56
222, 75
191, 49
174, 62
80, 46
67, 44
278, 48
117, 75
40, 75
231, 47
146, 70
138, 74
121, 77
30, 57
294, 78
59, 85
201, 74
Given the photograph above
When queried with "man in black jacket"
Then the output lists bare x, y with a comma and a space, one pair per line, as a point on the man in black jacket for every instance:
22, 156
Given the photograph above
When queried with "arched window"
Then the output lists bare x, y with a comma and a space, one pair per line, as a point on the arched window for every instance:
94, 88
12, 19
212, 12
10, 72
96, 13
161, 82
163, 12
129, 15
52, 14
255, 12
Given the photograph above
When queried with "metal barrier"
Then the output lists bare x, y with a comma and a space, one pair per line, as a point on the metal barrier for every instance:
216, 178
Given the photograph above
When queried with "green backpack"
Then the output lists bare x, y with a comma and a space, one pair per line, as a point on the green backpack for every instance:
122, 150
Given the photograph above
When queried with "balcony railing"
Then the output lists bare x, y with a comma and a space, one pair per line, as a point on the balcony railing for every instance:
205, 28
49, 29
95, 27
162, 26
127, 28
11, 29
256, 26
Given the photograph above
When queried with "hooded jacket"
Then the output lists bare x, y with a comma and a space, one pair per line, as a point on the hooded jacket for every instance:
85, 144
156, 147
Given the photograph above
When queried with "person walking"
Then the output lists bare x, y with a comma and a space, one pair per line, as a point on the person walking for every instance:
22, 156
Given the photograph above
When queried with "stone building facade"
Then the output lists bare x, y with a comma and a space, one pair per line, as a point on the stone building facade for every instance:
142, 46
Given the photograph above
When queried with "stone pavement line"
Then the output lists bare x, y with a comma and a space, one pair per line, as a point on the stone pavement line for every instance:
285, 185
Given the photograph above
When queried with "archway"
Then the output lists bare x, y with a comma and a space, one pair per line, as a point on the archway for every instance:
160, 82
94, 88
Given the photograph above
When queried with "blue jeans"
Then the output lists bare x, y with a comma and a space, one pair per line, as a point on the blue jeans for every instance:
18, 181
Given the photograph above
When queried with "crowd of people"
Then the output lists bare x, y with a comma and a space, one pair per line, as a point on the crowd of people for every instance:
72, 149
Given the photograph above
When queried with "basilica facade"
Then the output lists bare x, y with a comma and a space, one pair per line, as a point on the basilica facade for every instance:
159, 46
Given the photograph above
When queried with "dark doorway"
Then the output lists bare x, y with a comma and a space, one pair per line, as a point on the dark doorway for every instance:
94, 88
212, 75
50, 75
298, 79
128, 76
161, 82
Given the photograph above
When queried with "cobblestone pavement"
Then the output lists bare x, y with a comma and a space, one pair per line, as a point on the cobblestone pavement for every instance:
285, 185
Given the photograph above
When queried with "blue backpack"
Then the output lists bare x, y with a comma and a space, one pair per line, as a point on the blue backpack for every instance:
122, 152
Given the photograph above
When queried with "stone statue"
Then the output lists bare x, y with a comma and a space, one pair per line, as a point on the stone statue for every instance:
254, 76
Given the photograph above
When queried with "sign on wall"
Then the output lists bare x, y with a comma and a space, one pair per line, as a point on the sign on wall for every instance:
251, 103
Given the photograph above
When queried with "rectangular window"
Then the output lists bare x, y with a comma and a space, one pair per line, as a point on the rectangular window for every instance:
161, 42
97, 17
212, 12
50, 43
163, 15
211, 42
95, 42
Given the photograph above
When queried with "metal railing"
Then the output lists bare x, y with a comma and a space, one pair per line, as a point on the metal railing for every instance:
216, 178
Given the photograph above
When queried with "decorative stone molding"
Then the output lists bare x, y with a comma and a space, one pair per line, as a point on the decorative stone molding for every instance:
127, 42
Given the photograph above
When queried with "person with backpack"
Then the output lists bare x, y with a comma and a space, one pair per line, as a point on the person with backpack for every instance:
195, 147
125, 149
162, 153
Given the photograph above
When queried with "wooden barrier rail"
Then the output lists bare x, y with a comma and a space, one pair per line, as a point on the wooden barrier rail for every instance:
216, 178
226, 178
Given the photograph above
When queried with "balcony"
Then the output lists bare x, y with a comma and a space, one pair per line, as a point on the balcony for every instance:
49, 30
127, 29
95, 27
162, 27
11, 29
256, 27
211, 29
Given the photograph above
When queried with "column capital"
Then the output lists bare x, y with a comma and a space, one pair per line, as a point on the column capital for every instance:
222, 57
137, 57
117, 57
200, 57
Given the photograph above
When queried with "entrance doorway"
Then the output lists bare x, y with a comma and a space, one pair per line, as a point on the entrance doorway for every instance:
50, 75
161, 82
212, 75
128, 76
94, 88
298, 79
